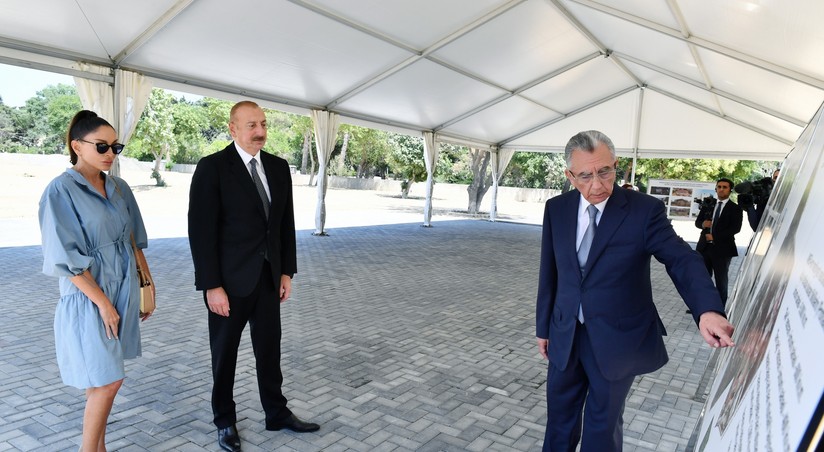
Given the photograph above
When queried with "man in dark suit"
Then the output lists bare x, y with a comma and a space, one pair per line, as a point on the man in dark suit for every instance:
717, 241
242, 237
596, 320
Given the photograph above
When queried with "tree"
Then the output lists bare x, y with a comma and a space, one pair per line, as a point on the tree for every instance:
302, 127
279, 132
343, 148
217, 118
367, 150
454, 164
406, 159
45, 117
156, 129
708, 170
481, 181
536, 170
7, 134
189, 124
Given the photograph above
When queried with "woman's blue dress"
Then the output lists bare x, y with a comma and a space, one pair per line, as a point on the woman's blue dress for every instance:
82, 230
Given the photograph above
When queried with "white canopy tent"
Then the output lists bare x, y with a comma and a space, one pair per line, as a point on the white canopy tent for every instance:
732, 79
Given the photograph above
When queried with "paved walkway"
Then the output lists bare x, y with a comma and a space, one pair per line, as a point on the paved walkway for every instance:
397, 338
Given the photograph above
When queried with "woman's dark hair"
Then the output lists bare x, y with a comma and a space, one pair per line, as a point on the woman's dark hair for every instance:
83, 123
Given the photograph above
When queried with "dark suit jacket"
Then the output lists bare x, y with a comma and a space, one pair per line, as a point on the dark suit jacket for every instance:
620, 317
228, 231
723, 231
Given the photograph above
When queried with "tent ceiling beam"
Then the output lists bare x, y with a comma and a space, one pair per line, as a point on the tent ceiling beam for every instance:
219, 87
591, 37
706, 44
51, 52
417, 54
716, 91
233, 90
56, 69
686, 33
719, 115
152, 30
663, 153
562, 117
520, 90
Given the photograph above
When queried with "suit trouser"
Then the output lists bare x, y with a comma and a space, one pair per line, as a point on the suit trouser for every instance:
261, 309
566, 392
719, 267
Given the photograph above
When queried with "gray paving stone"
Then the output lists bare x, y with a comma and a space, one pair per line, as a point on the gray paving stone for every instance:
397, 338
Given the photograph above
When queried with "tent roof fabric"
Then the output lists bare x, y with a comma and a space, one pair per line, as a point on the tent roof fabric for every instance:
668, 78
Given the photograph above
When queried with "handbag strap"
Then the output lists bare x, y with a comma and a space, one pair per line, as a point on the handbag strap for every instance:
134, 250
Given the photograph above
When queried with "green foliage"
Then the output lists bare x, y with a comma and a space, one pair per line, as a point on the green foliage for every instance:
189, 124
301, 125
7, 132
217, 118
369, 151
706, 170
454, 164
43, 121
155, 130
138, 150
406, 157
216, 146
535, 170
279, 133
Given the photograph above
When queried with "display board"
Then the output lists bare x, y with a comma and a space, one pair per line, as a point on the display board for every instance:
681, 197
767, 393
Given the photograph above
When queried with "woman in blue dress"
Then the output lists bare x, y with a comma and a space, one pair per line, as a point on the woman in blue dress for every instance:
88, 222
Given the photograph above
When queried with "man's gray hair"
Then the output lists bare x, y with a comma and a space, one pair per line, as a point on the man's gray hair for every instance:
587, 141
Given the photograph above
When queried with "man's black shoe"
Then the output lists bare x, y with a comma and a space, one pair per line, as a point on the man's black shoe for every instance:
294, 424
228, 439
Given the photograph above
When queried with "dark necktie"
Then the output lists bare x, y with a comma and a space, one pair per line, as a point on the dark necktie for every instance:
259, 185
586, 244
717, 214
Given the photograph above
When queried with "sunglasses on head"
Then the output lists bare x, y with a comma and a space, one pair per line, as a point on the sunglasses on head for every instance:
103, 148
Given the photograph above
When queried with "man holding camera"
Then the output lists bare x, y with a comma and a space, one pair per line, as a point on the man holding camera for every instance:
718, 228
753, 197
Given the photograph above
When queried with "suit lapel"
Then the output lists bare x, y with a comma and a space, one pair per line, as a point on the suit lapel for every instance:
569, 229
241, 174
614, 214
270, 170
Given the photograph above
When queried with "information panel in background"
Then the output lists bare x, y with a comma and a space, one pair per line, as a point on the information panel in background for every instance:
767, 393
680, 195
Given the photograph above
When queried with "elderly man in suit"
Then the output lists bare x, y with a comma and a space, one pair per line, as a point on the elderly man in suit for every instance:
242, 237
717, 243
596, 320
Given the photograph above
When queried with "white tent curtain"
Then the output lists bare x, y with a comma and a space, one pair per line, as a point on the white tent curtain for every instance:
326, 132
132, 91
121, 104
95, 95
500, 160
430, 154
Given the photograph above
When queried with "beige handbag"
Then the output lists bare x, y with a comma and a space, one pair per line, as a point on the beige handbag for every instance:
147, 299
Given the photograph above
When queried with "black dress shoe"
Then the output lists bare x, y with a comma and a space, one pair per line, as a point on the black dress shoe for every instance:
228, 439
294, 424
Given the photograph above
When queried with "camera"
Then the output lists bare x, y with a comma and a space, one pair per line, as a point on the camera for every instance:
752, 193
706, 204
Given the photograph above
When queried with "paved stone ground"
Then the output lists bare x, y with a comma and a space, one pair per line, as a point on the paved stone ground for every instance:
397, 337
